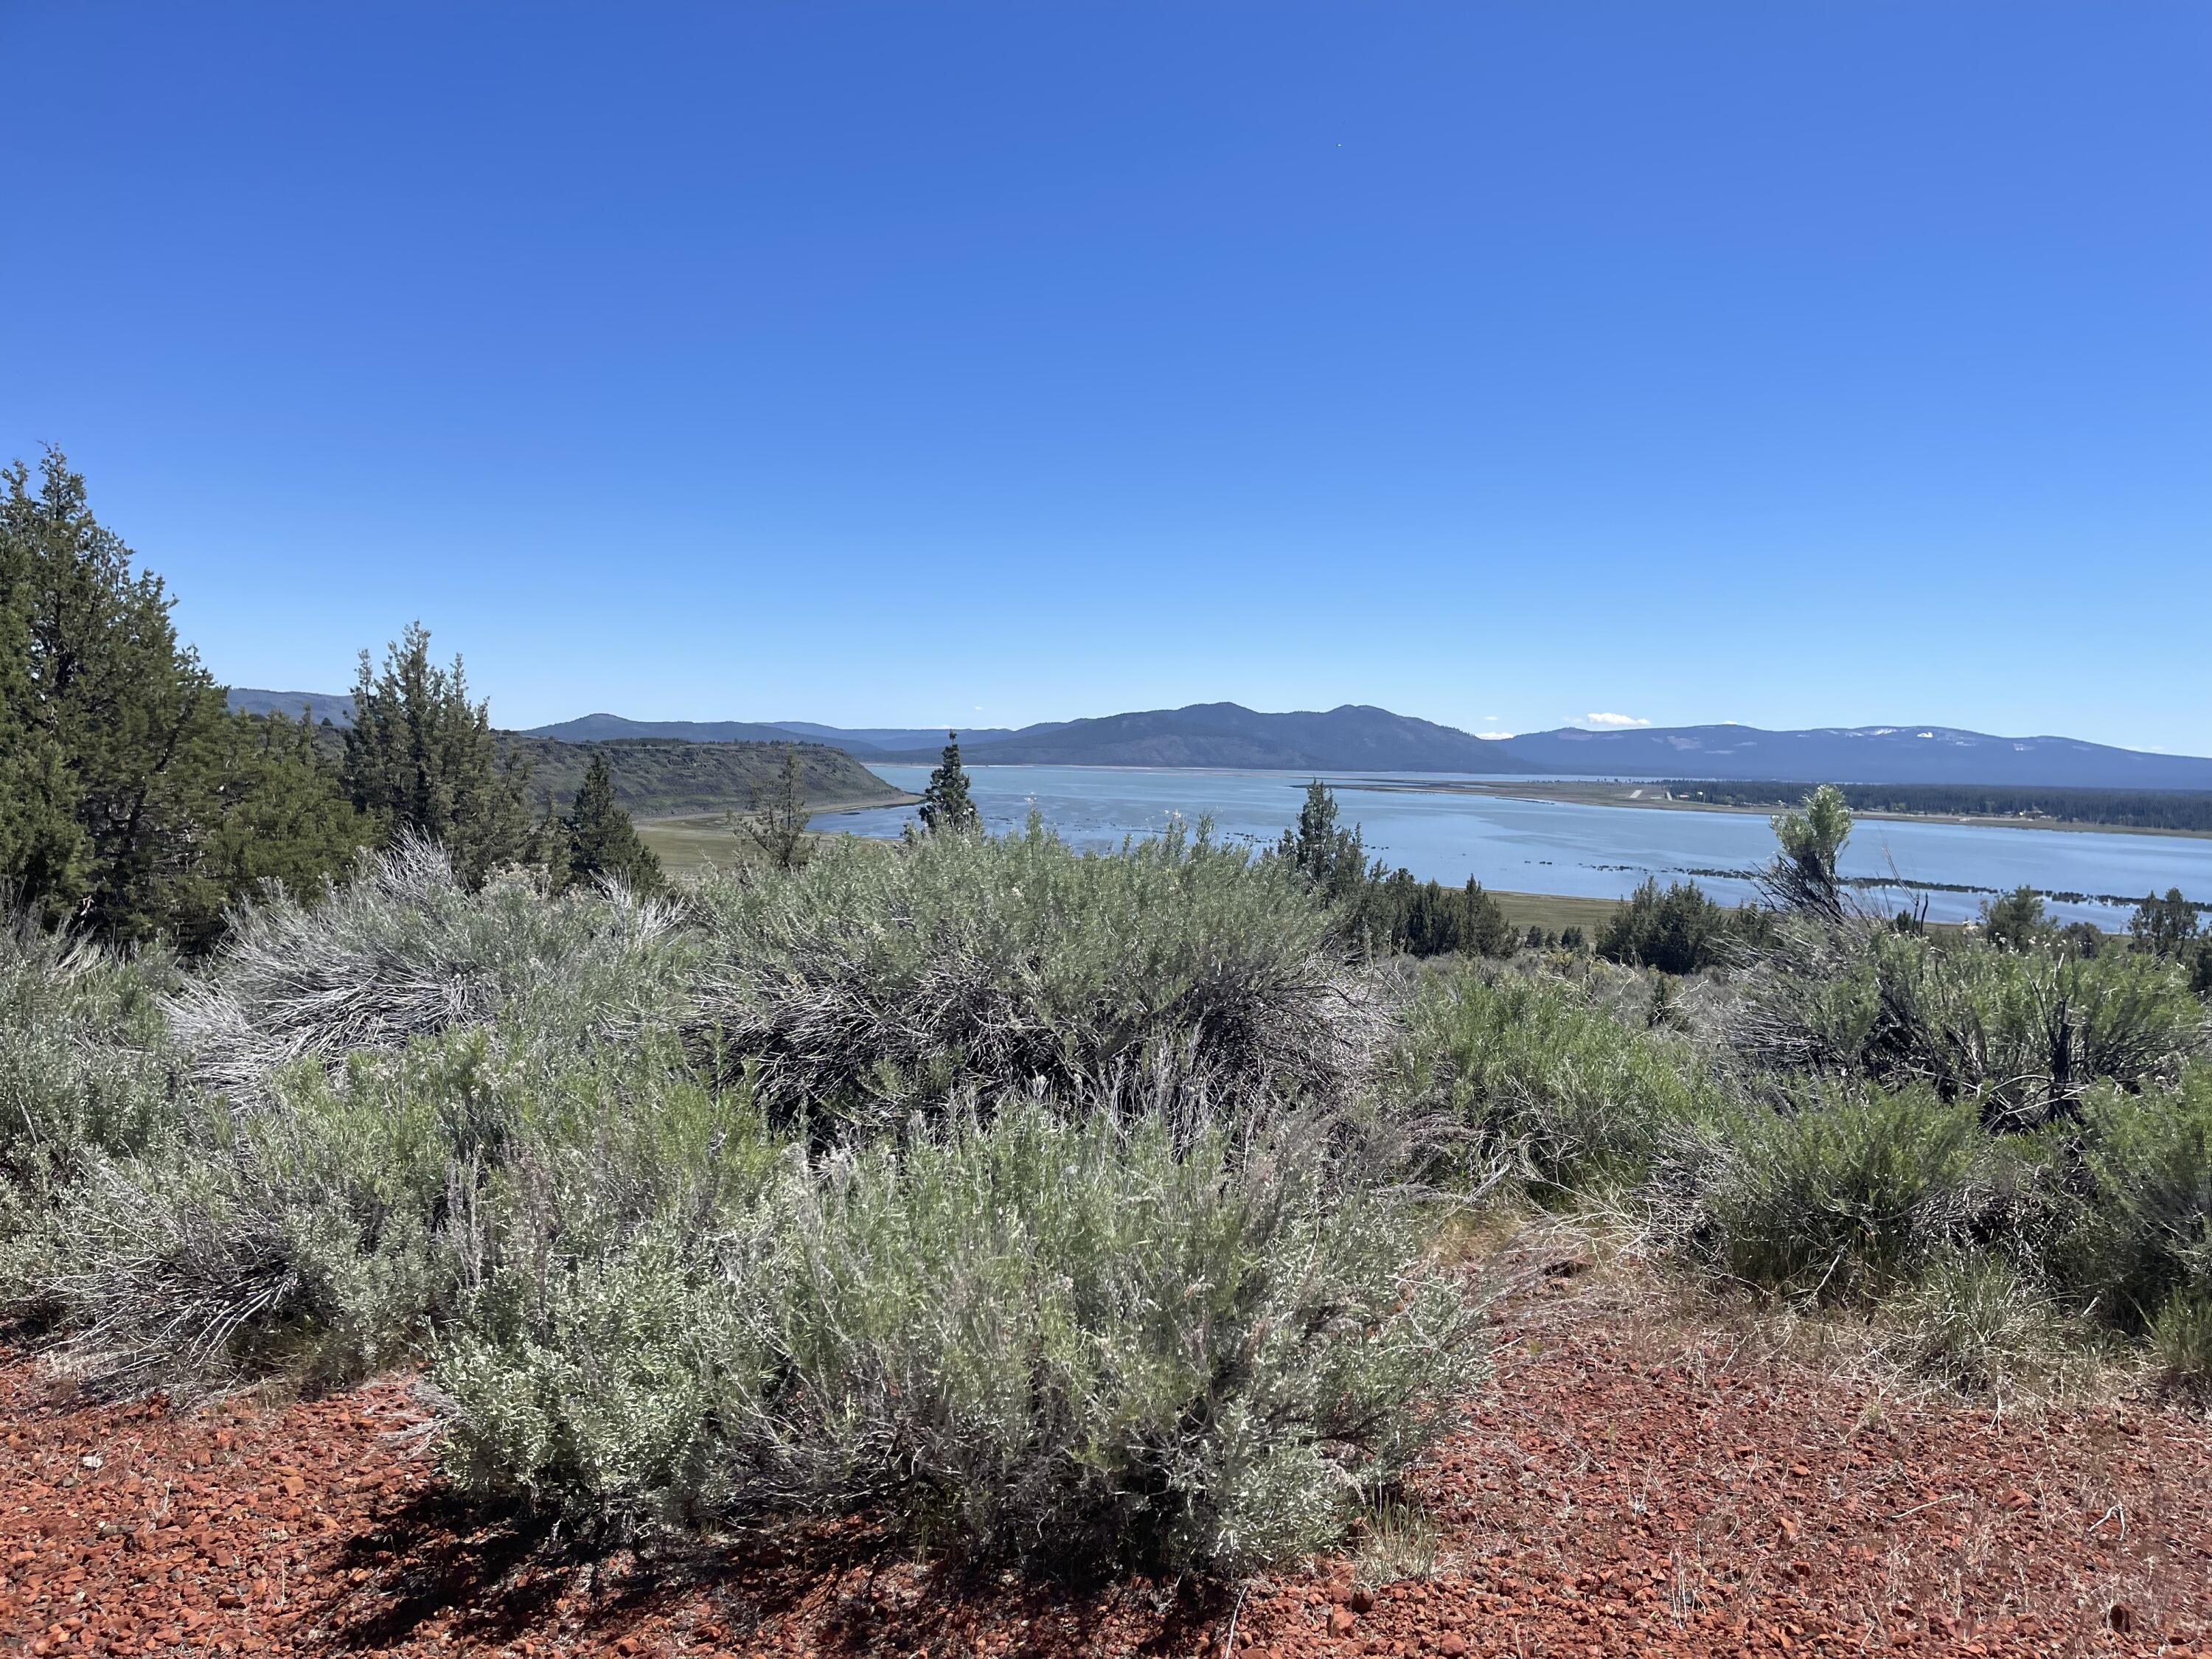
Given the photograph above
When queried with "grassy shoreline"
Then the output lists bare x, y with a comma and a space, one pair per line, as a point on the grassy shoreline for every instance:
690, 844
1597, 792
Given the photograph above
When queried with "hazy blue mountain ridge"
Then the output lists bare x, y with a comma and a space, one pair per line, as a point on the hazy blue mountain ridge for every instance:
1858, 754
1352, 737
1359, 738
909, 736
320, 705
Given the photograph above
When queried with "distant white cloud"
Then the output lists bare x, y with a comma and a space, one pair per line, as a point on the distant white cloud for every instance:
1493, 737
1614, 720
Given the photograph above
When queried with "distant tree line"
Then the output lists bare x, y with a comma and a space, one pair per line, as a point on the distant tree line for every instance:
2129, 808
1680, 930
1388, 911
2170, 928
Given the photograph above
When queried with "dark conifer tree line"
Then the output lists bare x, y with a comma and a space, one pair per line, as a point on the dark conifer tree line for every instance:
420, 760
1388, 911
134, 803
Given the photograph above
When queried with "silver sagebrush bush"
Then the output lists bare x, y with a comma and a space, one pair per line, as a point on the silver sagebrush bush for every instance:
870, 983
2021, 1036
87, 1064
1052, 1336
407, 949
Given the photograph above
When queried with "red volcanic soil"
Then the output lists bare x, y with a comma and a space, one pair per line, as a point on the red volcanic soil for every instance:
1625, 1489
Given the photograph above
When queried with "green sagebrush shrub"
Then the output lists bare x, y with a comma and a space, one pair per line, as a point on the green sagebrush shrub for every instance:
2145, 1239
2020, 1037
87, 1070
870, 983
87, 1065
1082, 1344
1532, 1067
1845, 1193
332, 1226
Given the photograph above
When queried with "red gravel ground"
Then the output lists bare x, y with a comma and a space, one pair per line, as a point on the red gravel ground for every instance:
1627, 1490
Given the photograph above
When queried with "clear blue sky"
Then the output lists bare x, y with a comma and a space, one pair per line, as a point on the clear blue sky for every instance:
1798, 364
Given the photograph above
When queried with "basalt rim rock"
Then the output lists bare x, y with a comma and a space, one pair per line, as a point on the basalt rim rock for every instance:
1625, 1489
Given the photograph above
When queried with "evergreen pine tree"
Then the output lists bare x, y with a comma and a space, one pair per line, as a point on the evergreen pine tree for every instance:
112, 700
2167, 926
420, 759
1332, 859
1486, 930
777, 823
546, 848
945, 803
603, 842
285, 815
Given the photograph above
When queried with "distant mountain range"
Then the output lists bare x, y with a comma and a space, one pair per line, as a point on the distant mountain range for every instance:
863, 740
1358, 737
613, 728
320, 705
892, 739
1858, 754
1354, 738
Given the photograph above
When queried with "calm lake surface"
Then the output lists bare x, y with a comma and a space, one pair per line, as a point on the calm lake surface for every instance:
1546, 846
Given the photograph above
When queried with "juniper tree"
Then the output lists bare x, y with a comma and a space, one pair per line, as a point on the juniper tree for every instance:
602, 842
1332, 860
777, 822
1486, 930
284, 816
45, 854
1679, 930
2016, 921
420, 760
946, 806
546, 847
132, 801
2164, 925
116, 714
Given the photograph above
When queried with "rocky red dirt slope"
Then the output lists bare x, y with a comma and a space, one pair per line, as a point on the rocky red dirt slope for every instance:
1625, 1489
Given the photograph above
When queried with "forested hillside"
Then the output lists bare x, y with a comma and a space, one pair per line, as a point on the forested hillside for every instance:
1353, 737
665, 775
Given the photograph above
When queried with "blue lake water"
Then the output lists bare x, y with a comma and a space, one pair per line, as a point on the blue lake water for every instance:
1547, 847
